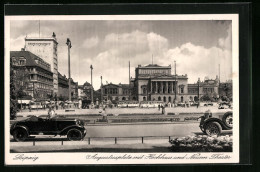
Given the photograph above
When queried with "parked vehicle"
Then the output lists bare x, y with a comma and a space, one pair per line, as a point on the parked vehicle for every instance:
36, 105
72, 128
133, 104
224, 105
214, 123
150, 104
122, 105
208, 104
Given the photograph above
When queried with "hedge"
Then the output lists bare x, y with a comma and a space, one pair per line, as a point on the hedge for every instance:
202, 143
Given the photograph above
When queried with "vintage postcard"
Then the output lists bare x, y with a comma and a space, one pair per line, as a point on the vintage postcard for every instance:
121, 89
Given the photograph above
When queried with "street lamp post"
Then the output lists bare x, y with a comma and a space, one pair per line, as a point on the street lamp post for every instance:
175, 84
101, 94
69, 47
91, 68
198, 89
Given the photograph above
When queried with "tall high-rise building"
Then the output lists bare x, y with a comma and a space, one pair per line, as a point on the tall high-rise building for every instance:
46, 48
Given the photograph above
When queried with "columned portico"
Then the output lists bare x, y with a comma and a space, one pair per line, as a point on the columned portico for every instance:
162, 87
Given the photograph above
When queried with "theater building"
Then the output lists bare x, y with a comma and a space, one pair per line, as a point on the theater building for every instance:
39, 79
156, 83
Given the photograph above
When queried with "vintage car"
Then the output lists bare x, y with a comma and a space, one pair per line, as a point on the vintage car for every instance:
36, 105
225, 105
214, 123
208, 104
72, 128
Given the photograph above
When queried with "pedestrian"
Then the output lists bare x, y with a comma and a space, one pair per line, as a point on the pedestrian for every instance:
30, 108
159, 106
51, 112
104, 114
163, 109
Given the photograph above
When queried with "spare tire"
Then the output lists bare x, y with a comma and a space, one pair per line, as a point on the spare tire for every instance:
228, 119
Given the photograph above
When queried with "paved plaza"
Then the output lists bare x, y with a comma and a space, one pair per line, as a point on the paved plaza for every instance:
115, 111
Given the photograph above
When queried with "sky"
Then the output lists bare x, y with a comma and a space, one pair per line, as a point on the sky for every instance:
198, 47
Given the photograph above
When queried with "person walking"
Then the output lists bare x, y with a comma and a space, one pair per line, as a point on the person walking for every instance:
30, 108
104, 114
163, 109
51, 112
159, 106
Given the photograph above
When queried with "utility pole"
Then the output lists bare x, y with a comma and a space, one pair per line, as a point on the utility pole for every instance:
69, 47
91, 68
175, 85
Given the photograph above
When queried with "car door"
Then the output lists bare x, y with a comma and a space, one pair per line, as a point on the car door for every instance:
49, 126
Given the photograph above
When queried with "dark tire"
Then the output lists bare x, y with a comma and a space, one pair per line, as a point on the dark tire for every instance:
228, 120
74, 134
20, 135
213, 128
203, 130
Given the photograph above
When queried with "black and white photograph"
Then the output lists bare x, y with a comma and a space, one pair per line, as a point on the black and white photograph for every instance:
124, 89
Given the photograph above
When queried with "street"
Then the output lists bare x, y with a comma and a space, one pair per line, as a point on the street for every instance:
137, 137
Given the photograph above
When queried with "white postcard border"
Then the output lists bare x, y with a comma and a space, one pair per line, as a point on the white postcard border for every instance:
82, 158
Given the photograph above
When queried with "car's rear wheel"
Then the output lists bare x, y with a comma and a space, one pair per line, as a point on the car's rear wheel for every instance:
213, 128
228, 120
20, 135
74, 134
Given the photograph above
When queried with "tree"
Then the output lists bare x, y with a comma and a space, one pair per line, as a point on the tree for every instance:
19, 79
13, 94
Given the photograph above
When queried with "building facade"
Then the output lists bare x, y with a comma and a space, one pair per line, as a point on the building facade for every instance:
63, 88
117, 92
156, 83
46, 49
87, 90
207, 87
38, 74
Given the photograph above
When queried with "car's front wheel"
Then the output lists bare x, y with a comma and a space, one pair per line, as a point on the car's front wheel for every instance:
20, 135
213, 128
74, 134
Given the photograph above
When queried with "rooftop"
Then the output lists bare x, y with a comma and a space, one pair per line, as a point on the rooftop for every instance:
31, 59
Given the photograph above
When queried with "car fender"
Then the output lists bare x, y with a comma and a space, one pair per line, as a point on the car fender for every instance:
214, 120
20, 126
65, 130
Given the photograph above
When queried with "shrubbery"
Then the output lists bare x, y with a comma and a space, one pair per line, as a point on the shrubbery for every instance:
202, 144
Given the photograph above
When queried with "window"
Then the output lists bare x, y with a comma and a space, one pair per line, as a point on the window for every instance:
22, 62
182, 90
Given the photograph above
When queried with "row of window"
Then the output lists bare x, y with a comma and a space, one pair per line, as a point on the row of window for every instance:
39, 85
42, 63
208, 90
111, 91
154, 71
18, 62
